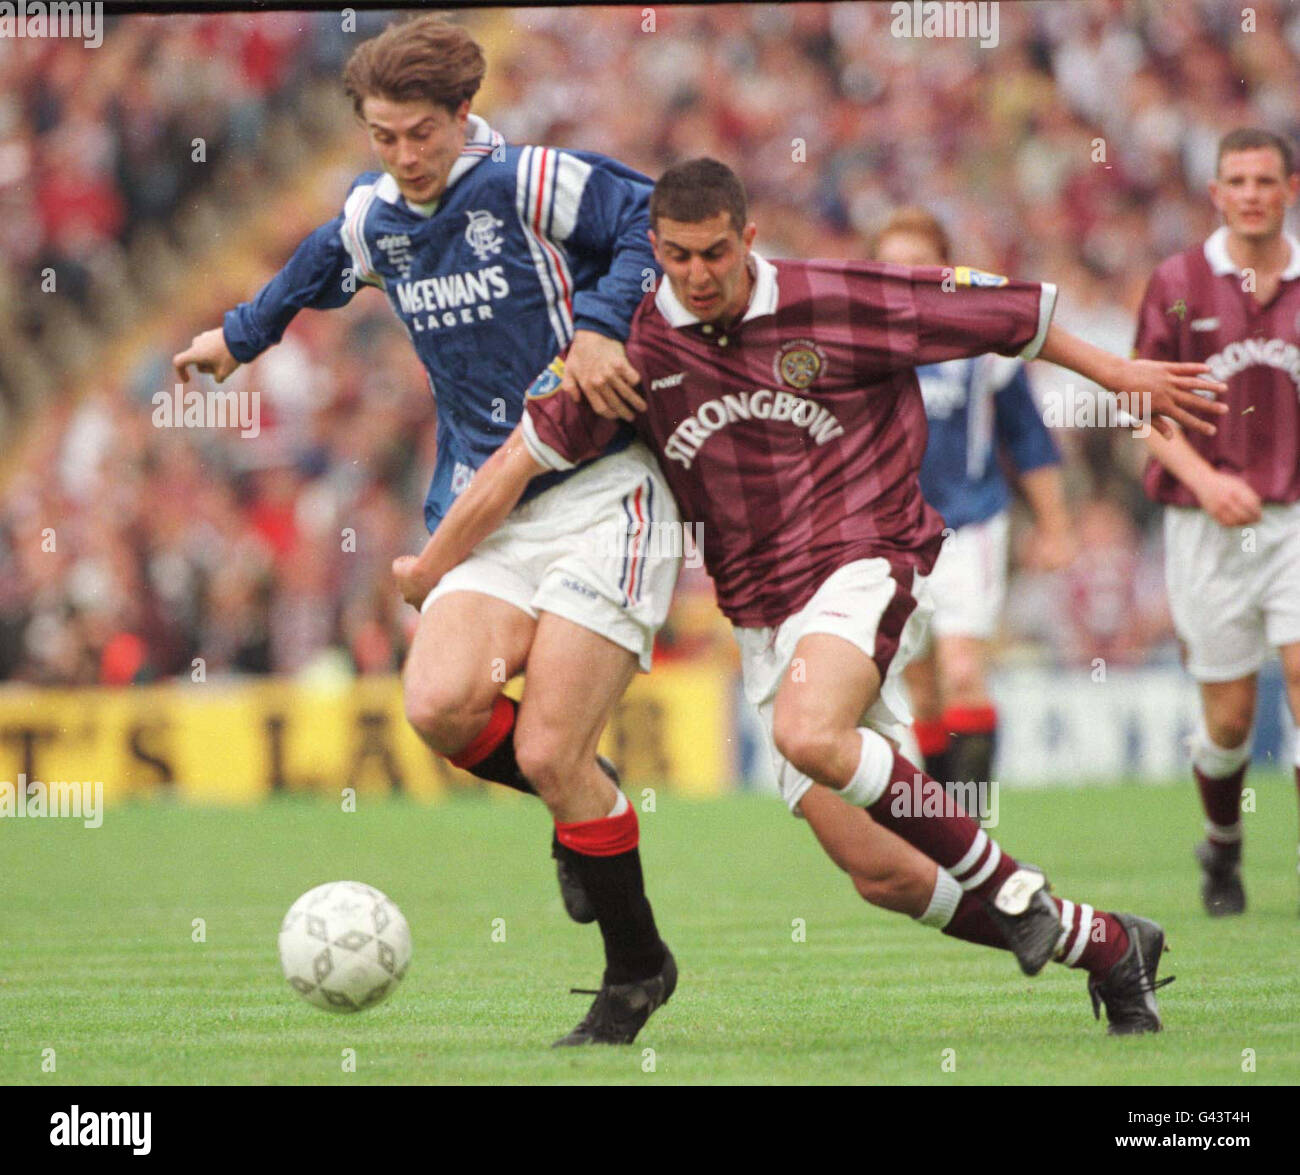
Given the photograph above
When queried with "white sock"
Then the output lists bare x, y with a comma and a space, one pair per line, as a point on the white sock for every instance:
620, 805
1224, 834
943, 902
1214, 761
874, 767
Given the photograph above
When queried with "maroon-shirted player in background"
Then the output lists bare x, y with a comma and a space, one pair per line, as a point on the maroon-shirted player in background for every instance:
1232, 518
784, 408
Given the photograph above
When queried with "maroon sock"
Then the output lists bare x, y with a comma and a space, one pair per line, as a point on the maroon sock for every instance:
1094, 940
1104, 939
972, 922
1221, 798
917, 808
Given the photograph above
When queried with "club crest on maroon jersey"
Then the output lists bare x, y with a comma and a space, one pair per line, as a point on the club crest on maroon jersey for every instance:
798, 363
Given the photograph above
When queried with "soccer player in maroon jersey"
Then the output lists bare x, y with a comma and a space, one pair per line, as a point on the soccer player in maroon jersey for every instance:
1232, 518
782, 403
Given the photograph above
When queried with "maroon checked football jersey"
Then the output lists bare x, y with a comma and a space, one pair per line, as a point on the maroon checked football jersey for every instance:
1195, 311
794, 437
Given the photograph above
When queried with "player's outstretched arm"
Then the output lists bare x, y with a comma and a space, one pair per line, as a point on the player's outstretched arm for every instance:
1228, 499
1178, 390
484, 505
1054, 546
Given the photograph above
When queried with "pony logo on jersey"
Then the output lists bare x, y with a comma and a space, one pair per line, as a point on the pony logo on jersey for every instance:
963, 275
798, 363
481, 234
548, 383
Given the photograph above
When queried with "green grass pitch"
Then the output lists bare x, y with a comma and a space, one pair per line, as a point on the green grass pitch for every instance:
96, 928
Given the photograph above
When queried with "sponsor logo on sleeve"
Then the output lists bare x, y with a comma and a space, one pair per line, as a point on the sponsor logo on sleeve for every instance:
548, 383
963, 275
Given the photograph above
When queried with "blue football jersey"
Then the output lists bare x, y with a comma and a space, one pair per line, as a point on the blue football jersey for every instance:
970, 406
525, 246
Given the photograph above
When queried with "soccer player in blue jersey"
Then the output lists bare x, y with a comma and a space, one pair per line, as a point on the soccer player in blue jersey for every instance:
972, 406
496, 258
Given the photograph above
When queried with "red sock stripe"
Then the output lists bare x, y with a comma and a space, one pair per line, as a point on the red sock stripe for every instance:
601, 838
487, 740
931, 736
970, 719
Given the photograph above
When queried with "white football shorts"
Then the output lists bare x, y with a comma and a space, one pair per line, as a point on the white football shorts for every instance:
863, 603
1234, 591
602, 549
969, 581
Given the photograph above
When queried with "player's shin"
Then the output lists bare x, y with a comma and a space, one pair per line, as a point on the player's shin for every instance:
490, 754
605, 855
902, 798
1220, 773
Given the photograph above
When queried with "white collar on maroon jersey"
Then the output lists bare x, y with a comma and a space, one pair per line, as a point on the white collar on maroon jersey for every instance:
1216, 254
762, 298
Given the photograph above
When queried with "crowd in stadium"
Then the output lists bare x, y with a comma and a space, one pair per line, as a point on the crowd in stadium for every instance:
1078, 151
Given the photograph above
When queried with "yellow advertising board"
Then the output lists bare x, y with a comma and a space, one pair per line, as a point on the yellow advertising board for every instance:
240, 741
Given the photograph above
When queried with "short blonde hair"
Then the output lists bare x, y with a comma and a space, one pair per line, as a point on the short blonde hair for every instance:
917, 222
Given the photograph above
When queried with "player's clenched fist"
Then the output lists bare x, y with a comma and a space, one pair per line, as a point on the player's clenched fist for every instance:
209, 353
1229, 500
411, 581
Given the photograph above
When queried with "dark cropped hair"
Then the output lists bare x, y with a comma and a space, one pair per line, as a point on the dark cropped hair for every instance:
697, 190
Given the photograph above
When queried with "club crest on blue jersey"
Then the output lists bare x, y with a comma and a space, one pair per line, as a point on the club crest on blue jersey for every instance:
481, 234
963, 275
548, 383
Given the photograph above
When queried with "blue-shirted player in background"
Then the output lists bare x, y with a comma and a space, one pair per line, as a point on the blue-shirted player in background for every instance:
973, 407
497, 258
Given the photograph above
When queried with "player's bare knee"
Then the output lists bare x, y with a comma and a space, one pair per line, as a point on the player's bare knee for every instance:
965, 688
546, 759
808, 746
446, 718
1230, 729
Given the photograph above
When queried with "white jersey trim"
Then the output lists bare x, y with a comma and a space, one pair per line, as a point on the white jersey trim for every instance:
1046, 307
535, 182
539, 450
353, 232
1216, 255
763, 298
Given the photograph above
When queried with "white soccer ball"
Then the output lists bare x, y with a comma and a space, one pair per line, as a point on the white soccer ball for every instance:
344, 946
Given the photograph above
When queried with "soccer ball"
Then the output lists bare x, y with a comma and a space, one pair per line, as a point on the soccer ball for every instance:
344, 946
